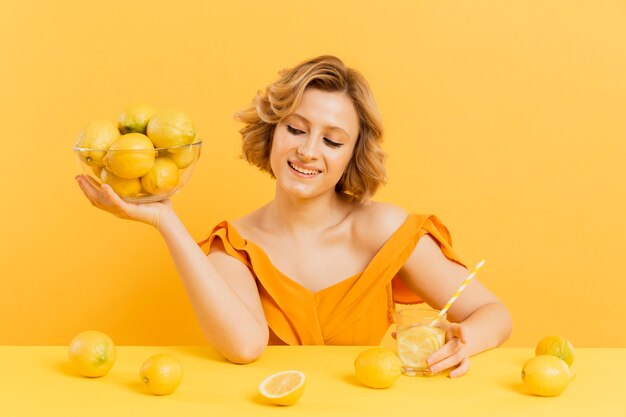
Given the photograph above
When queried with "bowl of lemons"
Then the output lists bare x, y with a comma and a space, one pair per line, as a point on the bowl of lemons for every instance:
147, 156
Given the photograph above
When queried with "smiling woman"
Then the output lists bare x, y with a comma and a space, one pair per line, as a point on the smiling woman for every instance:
320, 263
310, 144
277, 107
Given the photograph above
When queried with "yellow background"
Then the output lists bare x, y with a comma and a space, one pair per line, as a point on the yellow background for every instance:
506, 119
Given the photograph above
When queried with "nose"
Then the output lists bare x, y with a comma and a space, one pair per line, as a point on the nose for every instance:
308, 150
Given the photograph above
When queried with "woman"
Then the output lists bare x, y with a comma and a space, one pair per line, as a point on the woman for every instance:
320, 263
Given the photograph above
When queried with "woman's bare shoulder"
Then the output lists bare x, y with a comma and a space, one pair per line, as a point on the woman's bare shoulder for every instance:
249, 224
376, 222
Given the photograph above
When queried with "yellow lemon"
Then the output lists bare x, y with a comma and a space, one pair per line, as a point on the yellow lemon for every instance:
162, 178
97, 171
161, 373
546, 375
134, 118
556, 346
124, 187
92, 353
94, 140
131, 156
417, 343
184, 155
377, 367
170, 128
283, 388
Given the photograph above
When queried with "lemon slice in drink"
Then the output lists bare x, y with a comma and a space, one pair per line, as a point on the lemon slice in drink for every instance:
283, 388
417, 343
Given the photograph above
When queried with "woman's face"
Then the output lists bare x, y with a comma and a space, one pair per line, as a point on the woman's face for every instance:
312, 147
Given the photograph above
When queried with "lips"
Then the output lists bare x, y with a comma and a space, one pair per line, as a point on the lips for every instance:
304, 171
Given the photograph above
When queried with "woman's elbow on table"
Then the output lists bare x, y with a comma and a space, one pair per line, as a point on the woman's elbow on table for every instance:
245, 354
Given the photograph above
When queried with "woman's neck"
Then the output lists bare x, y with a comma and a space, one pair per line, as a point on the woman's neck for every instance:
291, 215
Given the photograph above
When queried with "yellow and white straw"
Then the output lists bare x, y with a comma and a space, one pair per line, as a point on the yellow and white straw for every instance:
471, 276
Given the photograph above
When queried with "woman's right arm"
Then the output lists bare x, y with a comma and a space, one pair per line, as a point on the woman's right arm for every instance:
229, 310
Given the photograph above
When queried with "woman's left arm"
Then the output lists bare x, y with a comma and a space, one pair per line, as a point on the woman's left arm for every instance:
479, 320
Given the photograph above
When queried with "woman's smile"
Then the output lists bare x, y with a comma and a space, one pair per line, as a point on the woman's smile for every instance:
302, 171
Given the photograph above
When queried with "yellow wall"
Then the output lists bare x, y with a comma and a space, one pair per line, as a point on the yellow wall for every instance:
507, 119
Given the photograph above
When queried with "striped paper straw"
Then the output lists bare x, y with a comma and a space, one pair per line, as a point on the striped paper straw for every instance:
471, 276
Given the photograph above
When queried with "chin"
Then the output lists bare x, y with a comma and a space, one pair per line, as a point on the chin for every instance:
301, 191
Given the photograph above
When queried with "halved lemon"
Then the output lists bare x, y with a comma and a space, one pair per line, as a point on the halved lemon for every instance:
417, 343
283, 388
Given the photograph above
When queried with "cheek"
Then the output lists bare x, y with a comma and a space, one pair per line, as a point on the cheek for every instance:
277, 149
341, 162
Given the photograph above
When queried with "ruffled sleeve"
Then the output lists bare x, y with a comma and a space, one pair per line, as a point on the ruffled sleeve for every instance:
417, 225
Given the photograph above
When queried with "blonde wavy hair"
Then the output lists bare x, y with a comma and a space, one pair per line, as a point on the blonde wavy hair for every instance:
366, 170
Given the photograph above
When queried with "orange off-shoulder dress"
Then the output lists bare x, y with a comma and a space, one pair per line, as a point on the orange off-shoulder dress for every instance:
355, 311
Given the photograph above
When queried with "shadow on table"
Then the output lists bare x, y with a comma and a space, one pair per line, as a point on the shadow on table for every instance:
518, 387
351, 379
66, 368
201, 352
258, 399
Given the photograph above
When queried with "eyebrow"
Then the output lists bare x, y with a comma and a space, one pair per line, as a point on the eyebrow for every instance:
304, 119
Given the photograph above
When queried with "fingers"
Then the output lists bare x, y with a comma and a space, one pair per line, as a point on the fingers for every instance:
456, 330
461, 369
91, 180
88, 188
102, 196
453, 353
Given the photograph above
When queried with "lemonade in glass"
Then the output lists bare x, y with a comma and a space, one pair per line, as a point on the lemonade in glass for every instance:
419, 333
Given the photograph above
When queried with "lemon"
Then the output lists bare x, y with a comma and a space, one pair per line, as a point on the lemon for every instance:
170, 128
377, 367
134, 119
95, 139
162, 178
97, 170
130, 156
161, 373
92, 353
124, 187
556, 346
283, 388
417, 343
546, 375
184, 156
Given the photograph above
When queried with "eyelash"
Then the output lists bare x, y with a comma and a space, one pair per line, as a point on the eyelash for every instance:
328, 142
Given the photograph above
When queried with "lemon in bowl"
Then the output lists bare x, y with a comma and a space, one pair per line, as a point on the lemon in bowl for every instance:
147, 156
138, 171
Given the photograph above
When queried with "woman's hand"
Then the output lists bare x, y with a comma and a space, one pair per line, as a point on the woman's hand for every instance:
103, 197
454, 353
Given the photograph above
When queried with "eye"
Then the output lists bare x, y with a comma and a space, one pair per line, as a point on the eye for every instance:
331, 143
294, 131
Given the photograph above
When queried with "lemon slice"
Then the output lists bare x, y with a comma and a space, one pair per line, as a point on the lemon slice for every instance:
283, 388
417, 343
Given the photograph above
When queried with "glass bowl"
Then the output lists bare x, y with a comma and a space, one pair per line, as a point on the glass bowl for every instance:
144, 175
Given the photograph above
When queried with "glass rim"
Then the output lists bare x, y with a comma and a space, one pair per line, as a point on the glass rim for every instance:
425, 312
